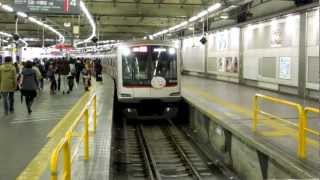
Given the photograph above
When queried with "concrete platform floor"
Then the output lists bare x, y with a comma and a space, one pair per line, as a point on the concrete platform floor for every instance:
231, 104
23, 135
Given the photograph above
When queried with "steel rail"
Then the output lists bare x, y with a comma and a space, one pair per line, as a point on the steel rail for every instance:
181, 153
216, 163
145, 155
146, 147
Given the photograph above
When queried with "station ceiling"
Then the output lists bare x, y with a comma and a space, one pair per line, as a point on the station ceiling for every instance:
127, 19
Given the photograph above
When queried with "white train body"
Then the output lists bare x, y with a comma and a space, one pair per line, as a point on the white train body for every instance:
147, 74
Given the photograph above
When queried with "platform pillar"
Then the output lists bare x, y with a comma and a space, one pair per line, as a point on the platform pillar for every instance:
302, 56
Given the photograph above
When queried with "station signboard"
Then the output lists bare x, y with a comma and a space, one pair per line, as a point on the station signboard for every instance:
48, 6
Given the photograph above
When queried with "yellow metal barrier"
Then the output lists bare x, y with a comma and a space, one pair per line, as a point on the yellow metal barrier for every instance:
64, 145
301, 122
306, 112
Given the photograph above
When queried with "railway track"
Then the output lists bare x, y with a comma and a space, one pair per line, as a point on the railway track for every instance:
162, 152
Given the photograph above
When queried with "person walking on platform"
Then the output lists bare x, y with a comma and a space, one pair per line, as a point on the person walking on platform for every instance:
98, 70
38, 74
79, 66
86, 75
51, 75
71, 76
8, 84
29, 84
64, 72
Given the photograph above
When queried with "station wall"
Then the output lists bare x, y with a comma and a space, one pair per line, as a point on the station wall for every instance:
193, 55
312, 72
223, 54
265, 53
271, 52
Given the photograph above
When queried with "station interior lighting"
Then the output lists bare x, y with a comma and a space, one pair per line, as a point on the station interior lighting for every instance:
22, 14
24, 42
7, 8
91, 22
33, 20
224, 17
203, 13
5, 34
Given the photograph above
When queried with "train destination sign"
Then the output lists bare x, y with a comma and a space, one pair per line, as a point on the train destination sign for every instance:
48, 6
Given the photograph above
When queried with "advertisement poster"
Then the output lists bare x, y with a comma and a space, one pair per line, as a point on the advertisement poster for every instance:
276, 37
235, 65
221, 64
285, 67
222, 41
229, 65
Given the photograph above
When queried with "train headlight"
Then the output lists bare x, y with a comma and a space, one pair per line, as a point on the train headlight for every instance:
125, 51
172, 51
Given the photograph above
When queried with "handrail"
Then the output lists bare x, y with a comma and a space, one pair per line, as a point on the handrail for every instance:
306, 112
64, 145
301, 123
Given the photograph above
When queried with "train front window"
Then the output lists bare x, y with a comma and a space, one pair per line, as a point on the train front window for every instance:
140, 64
135, 68
164, 63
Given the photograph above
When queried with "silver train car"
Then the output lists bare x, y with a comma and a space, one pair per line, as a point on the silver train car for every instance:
147, 78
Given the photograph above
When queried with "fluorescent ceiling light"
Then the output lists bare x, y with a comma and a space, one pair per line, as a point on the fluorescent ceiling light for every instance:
202, 13
22, 14
214, 7
5, 34
24, 42
7, 8
91, 22
67, 24
224, 17
193, 18
183, 23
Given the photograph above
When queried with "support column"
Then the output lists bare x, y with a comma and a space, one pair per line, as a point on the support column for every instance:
206, 57
302, 55
241, 49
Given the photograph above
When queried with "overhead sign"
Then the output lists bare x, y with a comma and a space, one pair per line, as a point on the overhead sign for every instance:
48, 6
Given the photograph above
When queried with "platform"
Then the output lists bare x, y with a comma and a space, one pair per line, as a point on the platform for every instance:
230, 105
23, 135
97, 167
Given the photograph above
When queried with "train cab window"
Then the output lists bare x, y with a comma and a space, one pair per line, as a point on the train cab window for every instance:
145, 62
164, 63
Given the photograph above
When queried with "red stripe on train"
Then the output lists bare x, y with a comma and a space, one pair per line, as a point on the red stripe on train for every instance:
147, 86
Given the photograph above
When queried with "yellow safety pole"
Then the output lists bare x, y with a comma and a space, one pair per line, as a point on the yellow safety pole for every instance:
67, 159
86, 134
255, 113
54, 165
302, 133
94, 113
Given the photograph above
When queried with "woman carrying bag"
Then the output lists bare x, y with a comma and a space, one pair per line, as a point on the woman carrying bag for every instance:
29, 84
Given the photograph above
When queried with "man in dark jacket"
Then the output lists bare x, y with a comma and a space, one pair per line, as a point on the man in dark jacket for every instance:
8, 84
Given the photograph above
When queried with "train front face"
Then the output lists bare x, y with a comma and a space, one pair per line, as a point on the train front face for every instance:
149, 83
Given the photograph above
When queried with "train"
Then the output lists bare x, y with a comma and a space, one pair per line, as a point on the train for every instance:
147, 78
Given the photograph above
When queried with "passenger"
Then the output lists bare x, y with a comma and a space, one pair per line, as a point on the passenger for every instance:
71, 76
65, 70
51, 74
86, 78
79, 67
8, 84
38, 74
98, 70
41, 68
29, 84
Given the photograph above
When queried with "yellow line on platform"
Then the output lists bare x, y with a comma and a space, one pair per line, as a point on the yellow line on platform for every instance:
36, 168
70, 115
277, 126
